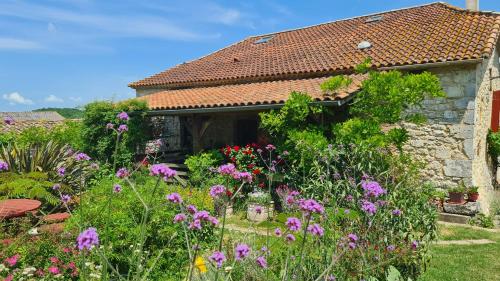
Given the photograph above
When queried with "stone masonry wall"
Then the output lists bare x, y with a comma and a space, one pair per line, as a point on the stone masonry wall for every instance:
444, 142
453, 141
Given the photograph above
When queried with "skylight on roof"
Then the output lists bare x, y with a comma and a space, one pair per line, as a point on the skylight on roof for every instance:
374, 18
264, 39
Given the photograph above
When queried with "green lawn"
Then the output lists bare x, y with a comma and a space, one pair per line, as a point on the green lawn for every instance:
471, 262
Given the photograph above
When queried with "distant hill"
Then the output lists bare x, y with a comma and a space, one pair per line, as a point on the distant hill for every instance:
69, 113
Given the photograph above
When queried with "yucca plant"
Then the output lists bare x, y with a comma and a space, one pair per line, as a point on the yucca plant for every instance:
46, 157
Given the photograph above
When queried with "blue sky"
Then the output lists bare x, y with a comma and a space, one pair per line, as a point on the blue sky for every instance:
65, 53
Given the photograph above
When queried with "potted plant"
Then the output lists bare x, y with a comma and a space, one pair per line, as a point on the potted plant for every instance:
260, 207
438, 197
472, 194
457, 194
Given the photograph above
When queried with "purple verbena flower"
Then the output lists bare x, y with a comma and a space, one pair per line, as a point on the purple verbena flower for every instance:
217, 190
201, 215
56, 186
88, 239
65, 198
391, 248
293, 224
117, 188
290, 237
311, 206
368, 207
372, 189
174, 198
191, 209
261, 261
218, 258
278, 232
82, 157
196, 224
94, 166
316, 229
122, 173
123, 116
4, 166
352, 245
179, 218
61, 171
122, 128
352, 237
258, 209
241, 251
110, 126
227, 169
244, 177
162, 170
396, 212
213, 220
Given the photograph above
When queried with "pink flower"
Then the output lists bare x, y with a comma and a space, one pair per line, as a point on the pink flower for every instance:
278, 232
293, 224
261, 261
123, 116
242, 251
122, 128
54, 270
258, 209
316, 229
54, 259
179, 218
162, 170
122, 173
191, 209
174, 198
290, 237
227, 169
9, 278
12, 261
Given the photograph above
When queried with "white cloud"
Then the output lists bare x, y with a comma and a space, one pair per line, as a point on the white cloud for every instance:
53, 98
18, 44
16, 98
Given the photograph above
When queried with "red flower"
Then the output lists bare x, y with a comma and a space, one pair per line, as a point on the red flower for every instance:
250, 166
233, 159
262, 185
256, 171
236, 148
229, 193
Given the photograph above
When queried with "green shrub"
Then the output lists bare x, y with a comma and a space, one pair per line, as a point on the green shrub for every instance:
199, 166
33, 185
99, 142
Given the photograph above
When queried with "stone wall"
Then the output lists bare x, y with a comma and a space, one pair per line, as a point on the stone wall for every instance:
444, 143
453, 141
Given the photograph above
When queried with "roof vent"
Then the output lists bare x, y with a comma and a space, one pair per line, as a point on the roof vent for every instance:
264, 39
364, 45
374, 18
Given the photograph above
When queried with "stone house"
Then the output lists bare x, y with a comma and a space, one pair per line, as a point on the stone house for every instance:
214, 100
28, 119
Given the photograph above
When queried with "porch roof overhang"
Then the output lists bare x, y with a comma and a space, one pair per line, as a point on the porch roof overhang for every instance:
246, 97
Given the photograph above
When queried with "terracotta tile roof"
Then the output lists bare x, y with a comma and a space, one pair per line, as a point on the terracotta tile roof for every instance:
430, 33
270, 92
33, 116
20, 126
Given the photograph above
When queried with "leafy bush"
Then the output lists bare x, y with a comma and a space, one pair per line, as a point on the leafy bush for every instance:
68, 132
70, 113
99, 142
34, 185
199, 166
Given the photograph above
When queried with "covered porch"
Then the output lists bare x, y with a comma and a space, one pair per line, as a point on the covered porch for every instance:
196, 119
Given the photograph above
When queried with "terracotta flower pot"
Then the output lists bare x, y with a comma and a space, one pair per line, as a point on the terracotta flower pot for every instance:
473, 196
456, 197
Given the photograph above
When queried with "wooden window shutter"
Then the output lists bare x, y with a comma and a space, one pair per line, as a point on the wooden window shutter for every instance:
495, 111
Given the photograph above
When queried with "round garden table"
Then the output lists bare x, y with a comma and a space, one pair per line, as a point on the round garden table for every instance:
12, 208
